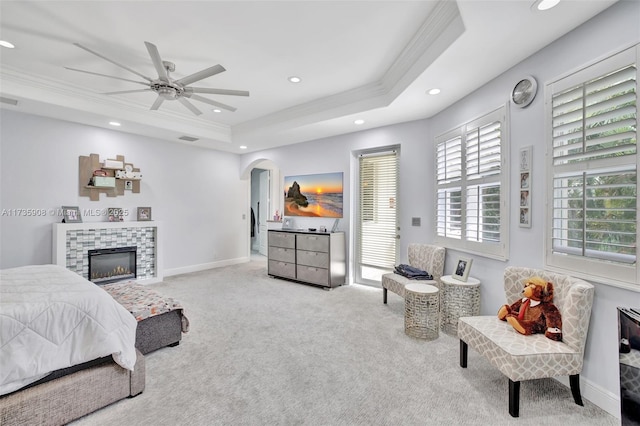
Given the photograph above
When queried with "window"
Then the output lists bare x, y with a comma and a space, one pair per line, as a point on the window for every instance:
471, 187
592, 228
377, 249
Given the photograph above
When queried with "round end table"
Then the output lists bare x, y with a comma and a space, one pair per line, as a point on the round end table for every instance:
421, 316
459, 299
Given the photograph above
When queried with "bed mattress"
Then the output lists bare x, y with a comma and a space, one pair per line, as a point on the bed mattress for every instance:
52, 318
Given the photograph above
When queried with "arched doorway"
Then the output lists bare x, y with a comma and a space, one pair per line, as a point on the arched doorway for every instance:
266, 199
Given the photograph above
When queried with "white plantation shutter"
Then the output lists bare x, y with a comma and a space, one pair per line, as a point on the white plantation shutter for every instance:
484, 159
449, 178
471, 211
593, 223
377, 242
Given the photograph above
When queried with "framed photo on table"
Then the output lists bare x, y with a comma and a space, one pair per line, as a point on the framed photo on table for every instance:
71, 214
144, 213
115, 214
524, 206
462, 268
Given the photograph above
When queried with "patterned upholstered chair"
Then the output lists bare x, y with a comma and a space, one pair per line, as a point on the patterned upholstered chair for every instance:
424, 256
522, 357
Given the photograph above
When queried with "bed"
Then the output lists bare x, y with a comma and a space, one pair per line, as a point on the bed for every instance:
67, 347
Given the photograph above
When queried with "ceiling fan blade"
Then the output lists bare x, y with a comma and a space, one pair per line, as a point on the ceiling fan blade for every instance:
200, 75
157, 103
189, 105
109, 76
157, 61
112, 61
210, 102
127, 91
218, 91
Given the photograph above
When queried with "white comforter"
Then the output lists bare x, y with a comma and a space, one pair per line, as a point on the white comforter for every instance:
52, 318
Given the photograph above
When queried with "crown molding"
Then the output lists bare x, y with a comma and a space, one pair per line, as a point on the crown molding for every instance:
438, 31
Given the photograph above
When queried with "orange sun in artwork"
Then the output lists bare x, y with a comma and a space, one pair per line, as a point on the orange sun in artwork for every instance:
319, 191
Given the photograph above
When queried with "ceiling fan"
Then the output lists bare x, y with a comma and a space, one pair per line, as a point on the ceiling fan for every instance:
166, 87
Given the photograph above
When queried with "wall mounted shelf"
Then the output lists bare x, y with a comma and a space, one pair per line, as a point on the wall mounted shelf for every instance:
87, 165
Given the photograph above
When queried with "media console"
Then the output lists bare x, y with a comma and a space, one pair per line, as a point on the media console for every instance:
309, 257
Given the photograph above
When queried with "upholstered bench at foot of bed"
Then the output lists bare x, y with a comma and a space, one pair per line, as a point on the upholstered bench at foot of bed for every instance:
161, 320
159, 331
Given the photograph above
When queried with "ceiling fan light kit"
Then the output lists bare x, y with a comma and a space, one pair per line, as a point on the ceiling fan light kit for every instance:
167, 88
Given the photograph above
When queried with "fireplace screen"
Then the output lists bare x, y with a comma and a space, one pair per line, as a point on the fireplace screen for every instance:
111, 265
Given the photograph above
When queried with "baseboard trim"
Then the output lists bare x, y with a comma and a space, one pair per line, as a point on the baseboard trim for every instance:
204, 266
597, 395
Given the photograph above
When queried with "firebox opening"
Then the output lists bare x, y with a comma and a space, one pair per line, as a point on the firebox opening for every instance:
113, 264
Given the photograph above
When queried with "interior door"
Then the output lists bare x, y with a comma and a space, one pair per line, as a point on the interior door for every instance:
263, 212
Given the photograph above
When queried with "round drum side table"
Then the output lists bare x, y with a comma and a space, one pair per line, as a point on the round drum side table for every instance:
459, 299
421, 316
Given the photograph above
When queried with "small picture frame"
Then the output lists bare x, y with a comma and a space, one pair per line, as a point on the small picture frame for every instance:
71, 214
525, 159
115, 214
524, 216
128, 185
462, 268
144, 213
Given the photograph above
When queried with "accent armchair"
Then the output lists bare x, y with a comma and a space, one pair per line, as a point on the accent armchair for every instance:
521, 357
423, 256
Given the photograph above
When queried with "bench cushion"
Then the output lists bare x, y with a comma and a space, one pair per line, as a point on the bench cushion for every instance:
517, 356
142, 301
396, 283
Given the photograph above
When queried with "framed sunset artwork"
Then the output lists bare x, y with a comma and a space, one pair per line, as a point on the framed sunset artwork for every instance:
316, 195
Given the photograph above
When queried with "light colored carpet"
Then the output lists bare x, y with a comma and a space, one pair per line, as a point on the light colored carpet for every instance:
267, 351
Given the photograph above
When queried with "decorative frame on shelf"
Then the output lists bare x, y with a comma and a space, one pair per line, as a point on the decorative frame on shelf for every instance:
524, 206
71, 214
463, 267
144, 213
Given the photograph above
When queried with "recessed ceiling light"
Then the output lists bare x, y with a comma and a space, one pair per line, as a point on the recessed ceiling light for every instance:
359, 122
114, 123
433, 91
217, 110
6, 44
243, 147
294, 79
545, 4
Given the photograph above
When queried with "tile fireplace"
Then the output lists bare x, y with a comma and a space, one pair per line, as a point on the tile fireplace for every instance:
73, 241
112, 264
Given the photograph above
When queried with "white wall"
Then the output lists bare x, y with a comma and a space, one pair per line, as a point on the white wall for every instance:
194, 192
613, 29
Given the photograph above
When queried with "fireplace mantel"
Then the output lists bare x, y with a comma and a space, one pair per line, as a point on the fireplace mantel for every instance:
71, 242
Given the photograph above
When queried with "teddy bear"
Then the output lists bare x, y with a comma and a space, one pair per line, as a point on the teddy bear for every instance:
535, 312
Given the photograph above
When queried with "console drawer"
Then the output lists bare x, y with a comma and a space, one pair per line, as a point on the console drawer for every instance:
282, 254
313, 243
282, 269
313, 258
313, 275
282, 239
